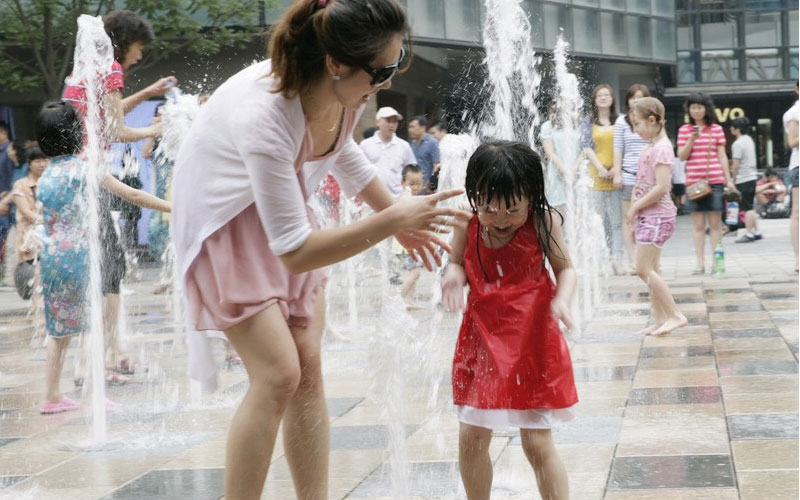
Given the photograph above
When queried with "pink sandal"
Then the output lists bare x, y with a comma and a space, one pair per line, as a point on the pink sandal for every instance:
65, 404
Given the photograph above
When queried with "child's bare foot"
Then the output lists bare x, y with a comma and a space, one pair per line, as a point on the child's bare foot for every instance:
647, 330
671, 324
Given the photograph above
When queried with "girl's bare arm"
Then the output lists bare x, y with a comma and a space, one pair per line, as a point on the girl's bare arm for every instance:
560, 261
136, 196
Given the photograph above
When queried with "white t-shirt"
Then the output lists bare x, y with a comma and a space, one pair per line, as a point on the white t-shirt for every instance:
679, 172
744, 150
390, 158
792, 115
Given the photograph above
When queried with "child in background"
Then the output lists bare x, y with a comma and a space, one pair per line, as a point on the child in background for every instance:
653, 212
28, 216
512, 366
413, 178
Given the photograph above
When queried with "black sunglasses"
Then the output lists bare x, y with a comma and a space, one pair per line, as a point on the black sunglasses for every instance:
382, 75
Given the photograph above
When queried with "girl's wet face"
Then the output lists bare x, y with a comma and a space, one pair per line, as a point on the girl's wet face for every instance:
697, 111
133, 55
355, 88
503, 220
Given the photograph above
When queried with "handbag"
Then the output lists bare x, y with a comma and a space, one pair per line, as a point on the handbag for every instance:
23, 279
696, 191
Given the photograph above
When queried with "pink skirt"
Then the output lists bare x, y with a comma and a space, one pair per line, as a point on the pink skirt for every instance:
235, 276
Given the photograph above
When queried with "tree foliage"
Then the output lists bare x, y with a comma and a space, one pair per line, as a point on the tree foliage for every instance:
37, 37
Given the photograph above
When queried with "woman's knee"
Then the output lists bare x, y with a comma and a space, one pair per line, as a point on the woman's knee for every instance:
473, 439
537, 443
276, 384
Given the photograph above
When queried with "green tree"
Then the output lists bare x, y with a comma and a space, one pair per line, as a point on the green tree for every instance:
37, 37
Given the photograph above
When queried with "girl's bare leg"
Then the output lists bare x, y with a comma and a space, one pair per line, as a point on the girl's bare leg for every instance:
270, 357
647, 257
551, 475
715, 227
657, 313
474, 461
627, 234
306, 429
56, 350
699, 220
793, 224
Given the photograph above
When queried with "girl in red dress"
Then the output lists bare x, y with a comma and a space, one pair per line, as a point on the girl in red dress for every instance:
512, 366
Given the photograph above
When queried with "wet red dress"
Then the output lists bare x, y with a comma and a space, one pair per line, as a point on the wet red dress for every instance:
510, 352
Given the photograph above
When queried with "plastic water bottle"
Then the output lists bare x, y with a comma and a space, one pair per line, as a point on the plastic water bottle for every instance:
719, 259
732, 214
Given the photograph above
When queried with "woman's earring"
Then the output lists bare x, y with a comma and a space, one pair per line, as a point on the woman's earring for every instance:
336, 78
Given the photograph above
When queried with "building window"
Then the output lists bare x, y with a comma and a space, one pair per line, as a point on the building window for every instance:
462, 20
533, 9
613, 4
718, 31
612, 34
794, 54
763, 64
762, 29
427, 17
793, 27
586, 30
556, 17
639, 6
663, 34
640, 36
685, 30
720, 65
664, 8
587, 3
686, 67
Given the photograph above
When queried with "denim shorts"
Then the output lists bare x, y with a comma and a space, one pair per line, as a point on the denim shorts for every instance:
627, 193
711, 203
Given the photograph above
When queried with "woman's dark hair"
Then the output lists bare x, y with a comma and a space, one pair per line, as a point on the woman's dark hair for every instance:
125, 27
34, 153
742, 124
632, 90
613, 111
507, 171
353, 32
705, 100
58, 129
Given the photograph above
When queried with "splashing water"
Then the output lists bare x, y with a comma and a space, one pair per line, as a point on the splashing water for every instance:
94, 54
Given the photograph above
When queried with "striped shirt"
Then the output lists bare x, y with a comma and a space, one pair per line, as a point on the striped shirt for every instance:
628, 142
703, 154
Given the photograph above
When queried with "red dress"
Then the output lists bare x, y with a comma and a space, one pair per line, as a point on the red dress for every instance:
510, 353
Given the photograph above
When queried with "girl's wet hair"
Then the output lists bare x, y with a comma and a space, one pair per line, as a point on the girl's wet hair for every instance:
58, 129
507, 171
124, 28
353, 32
705, 100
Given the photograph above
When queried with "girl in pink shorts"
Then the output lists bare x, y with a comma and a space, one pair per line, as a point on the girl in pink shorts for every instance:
653, 213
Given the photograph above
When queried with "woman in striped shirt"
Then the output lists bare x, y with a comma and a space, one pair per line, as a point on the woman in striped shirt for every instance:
701, 144
627, 147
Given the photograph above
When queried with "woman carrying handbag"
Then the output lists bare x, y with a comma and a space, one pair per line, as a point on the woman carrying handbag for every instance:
701, 143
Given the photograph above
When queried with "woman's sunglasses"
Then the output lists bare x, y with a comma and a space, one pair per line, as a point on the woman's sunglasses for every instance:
382, 75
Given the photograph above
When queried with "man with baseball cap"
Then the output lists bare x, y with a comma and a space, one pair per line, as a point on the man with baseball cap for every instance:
388, 152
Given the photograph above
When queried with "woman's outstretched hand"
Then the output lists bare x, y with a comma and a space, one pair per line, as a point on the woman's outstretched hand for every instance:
421, 219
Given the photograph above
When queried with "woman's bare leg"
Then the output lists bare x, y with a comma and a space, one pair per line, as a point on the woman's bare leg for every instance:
56, 350
551, 475
627, 234
474, 461
268, 351
699, 220
715, 227
306, 428
793, 224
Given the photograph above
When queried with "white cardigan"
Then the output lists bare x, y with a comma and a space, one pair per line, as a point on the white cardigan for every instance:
244, 147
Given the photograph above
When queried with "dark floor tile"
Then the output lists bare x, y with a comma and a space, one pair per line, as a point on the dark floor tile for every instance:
197, 484
722, 292
735, 308
677, 351
777, 295
745, 333
766, 367
793, 347
682, 471
687, 363
620, 314
585, 430
781, 282
425, 479
5, 441
763, 426
674, 395
364, 437
339, 406
694, 299
6, 481
603, 373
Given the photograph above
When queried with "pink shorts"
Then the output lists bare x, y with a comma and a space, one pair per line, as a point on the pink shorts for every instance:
235, 276
654, 230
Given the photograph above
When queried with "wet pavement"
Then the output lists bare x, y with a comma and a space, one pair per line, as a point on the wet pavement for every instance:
710, 412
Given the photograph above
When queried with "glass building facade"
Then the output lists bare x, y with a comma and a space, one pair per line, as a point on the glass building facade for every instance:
736, 40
